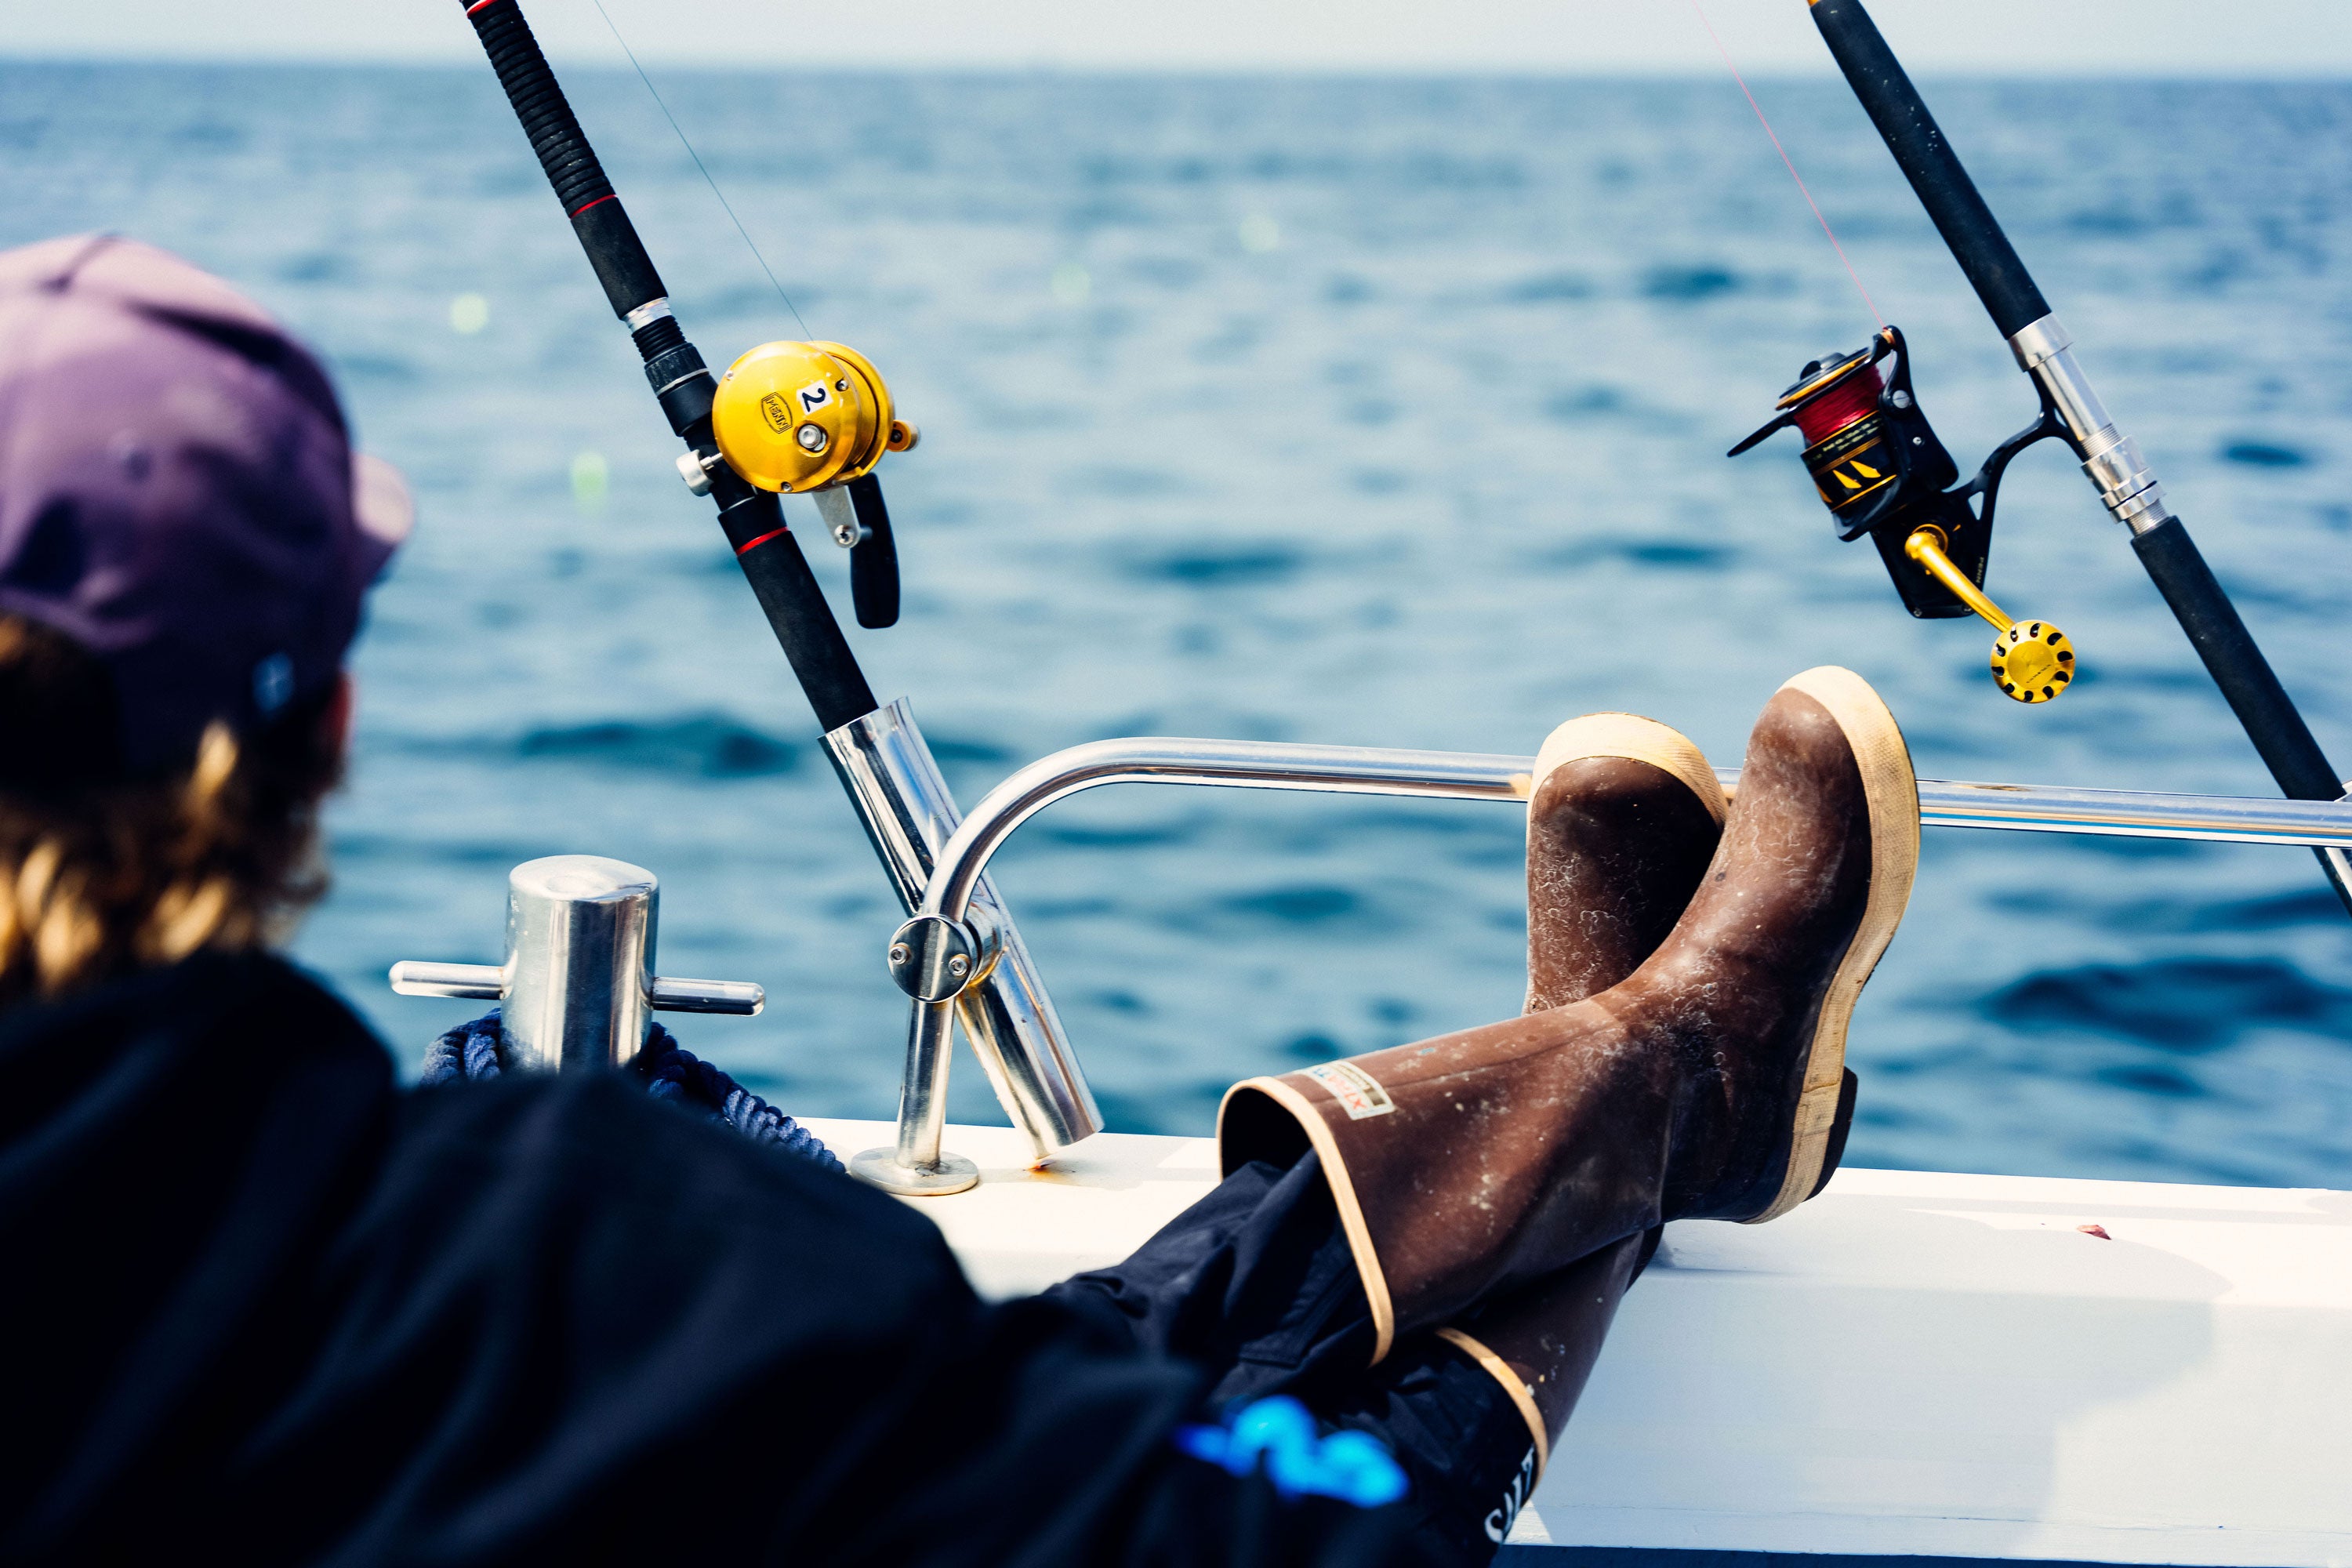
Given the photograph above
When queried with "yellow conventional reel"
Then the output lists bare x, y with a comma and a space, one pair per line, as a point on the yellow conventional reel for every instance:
805, 416
2031, 661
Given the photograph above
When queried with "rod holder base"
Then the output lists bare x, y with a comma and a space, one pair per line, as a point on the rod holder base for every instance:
880, 1168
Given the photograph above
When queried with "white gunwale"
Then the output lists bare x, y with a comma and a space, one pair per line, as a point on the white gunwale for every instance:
1913, 1364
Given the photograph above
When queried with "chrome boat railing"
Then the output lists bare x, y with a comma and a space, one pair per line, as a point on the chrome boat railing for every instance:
942, 952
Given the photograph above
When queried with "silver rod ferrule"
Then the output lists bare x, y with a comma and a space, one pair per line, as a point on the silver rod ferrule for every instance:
2111, 460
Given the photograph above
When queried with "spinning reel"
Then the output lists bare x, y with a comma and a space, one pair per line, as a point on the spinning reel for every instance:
815, 418
1882, 472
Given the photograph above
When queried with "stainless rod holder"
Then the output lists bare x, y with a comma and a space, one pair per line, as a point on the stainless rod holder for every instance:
909, 815
577, 988
923, 949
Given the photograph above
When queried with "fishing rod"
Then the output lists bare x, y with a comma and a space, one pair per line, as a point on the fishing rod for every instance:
1883, 473
813, 418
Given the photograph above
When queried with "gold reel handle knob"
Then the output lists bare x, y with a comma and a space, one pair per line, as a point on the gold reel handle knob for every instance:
2033, 661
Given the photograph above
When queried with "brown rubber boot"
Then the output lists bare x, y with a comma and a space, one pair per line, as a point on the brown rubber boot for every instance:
1623, 817
1707, 1085
1541, 1341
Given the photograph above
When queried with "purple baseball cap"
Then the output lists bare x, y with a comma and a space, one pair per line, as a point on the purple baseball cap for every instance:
178, 492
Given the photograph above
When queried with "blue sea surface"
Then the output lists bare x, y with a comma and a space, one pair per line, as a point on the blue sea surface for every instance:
1385, 412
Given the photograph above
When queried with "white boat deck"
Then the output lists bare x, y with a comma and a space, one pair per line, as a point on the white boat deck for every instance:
1910, 1364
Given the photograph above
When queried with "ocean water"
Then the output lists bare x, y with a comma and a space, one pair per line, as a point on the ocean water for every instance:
1388, 412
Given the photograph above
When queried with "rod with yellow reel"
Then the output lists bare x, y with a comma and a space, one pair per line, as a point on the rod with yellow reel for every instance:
815, 418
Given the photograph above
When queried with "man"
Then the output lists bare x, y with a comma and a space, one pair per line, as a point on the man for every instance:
266, 1306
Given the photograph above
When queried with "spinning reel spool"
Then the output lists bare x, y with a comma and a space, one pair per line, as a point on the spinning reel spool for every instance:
815, 418
1882, 472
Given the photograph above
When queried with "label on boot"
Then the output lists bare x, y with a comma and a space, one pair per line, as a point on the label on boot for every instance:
1360, 1094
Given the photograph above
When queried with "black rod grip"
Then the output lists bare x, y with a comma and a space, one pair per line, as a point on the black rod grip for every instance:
797, 611
1927, 160
604, 229
2178, 571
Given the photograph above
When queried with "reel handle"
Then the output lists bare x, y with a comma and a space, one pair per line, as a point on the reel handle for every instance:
873, 563
2031, 661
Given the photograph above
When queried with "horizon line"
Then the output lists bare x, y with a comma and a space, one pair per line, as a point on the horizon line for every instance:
1048, 66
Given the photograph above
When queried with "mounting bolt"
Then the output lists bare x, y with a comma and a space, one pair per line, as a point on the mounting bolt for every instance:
1901, 400
812, 438
933, 958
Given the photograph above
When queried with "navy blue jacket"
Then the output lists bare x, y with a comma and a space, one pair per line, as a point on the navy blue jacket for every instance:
260, 1306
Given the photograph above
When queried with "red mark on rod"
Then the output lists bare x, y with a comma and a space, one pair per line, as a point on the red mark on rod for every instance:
599, 202
764, 539
479, 5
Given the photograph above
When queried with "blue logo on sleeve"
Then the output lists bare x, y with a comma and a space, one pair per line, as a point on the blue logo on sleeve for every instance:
1279, 1435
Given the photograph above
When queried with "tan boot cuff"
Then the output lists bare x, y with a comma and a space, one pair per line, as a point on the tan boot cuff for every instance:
1513, 1385
1238, 1144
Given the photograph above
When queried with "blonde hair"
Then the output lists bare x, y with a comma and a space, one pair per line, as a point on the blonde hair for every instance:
102, 873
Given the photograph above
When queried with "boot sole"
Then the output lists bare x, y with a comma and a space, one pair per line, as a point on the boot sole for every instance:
1891, 791
1636, 739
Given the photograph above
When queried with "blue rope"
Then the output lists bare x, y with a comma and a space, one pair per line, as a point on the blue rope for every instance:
469, 1053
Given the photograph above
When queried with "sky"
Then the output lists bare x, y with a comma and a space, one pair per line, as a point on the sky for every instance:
2105, 37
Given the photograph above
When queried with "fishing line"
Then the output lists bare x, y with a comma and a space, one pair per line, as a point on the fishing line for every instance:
698, 163
1776, 148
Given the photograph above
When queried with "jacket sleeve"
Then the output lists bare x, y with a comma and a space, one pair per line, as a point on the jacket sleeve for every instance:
568, 1322
1044, 1443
